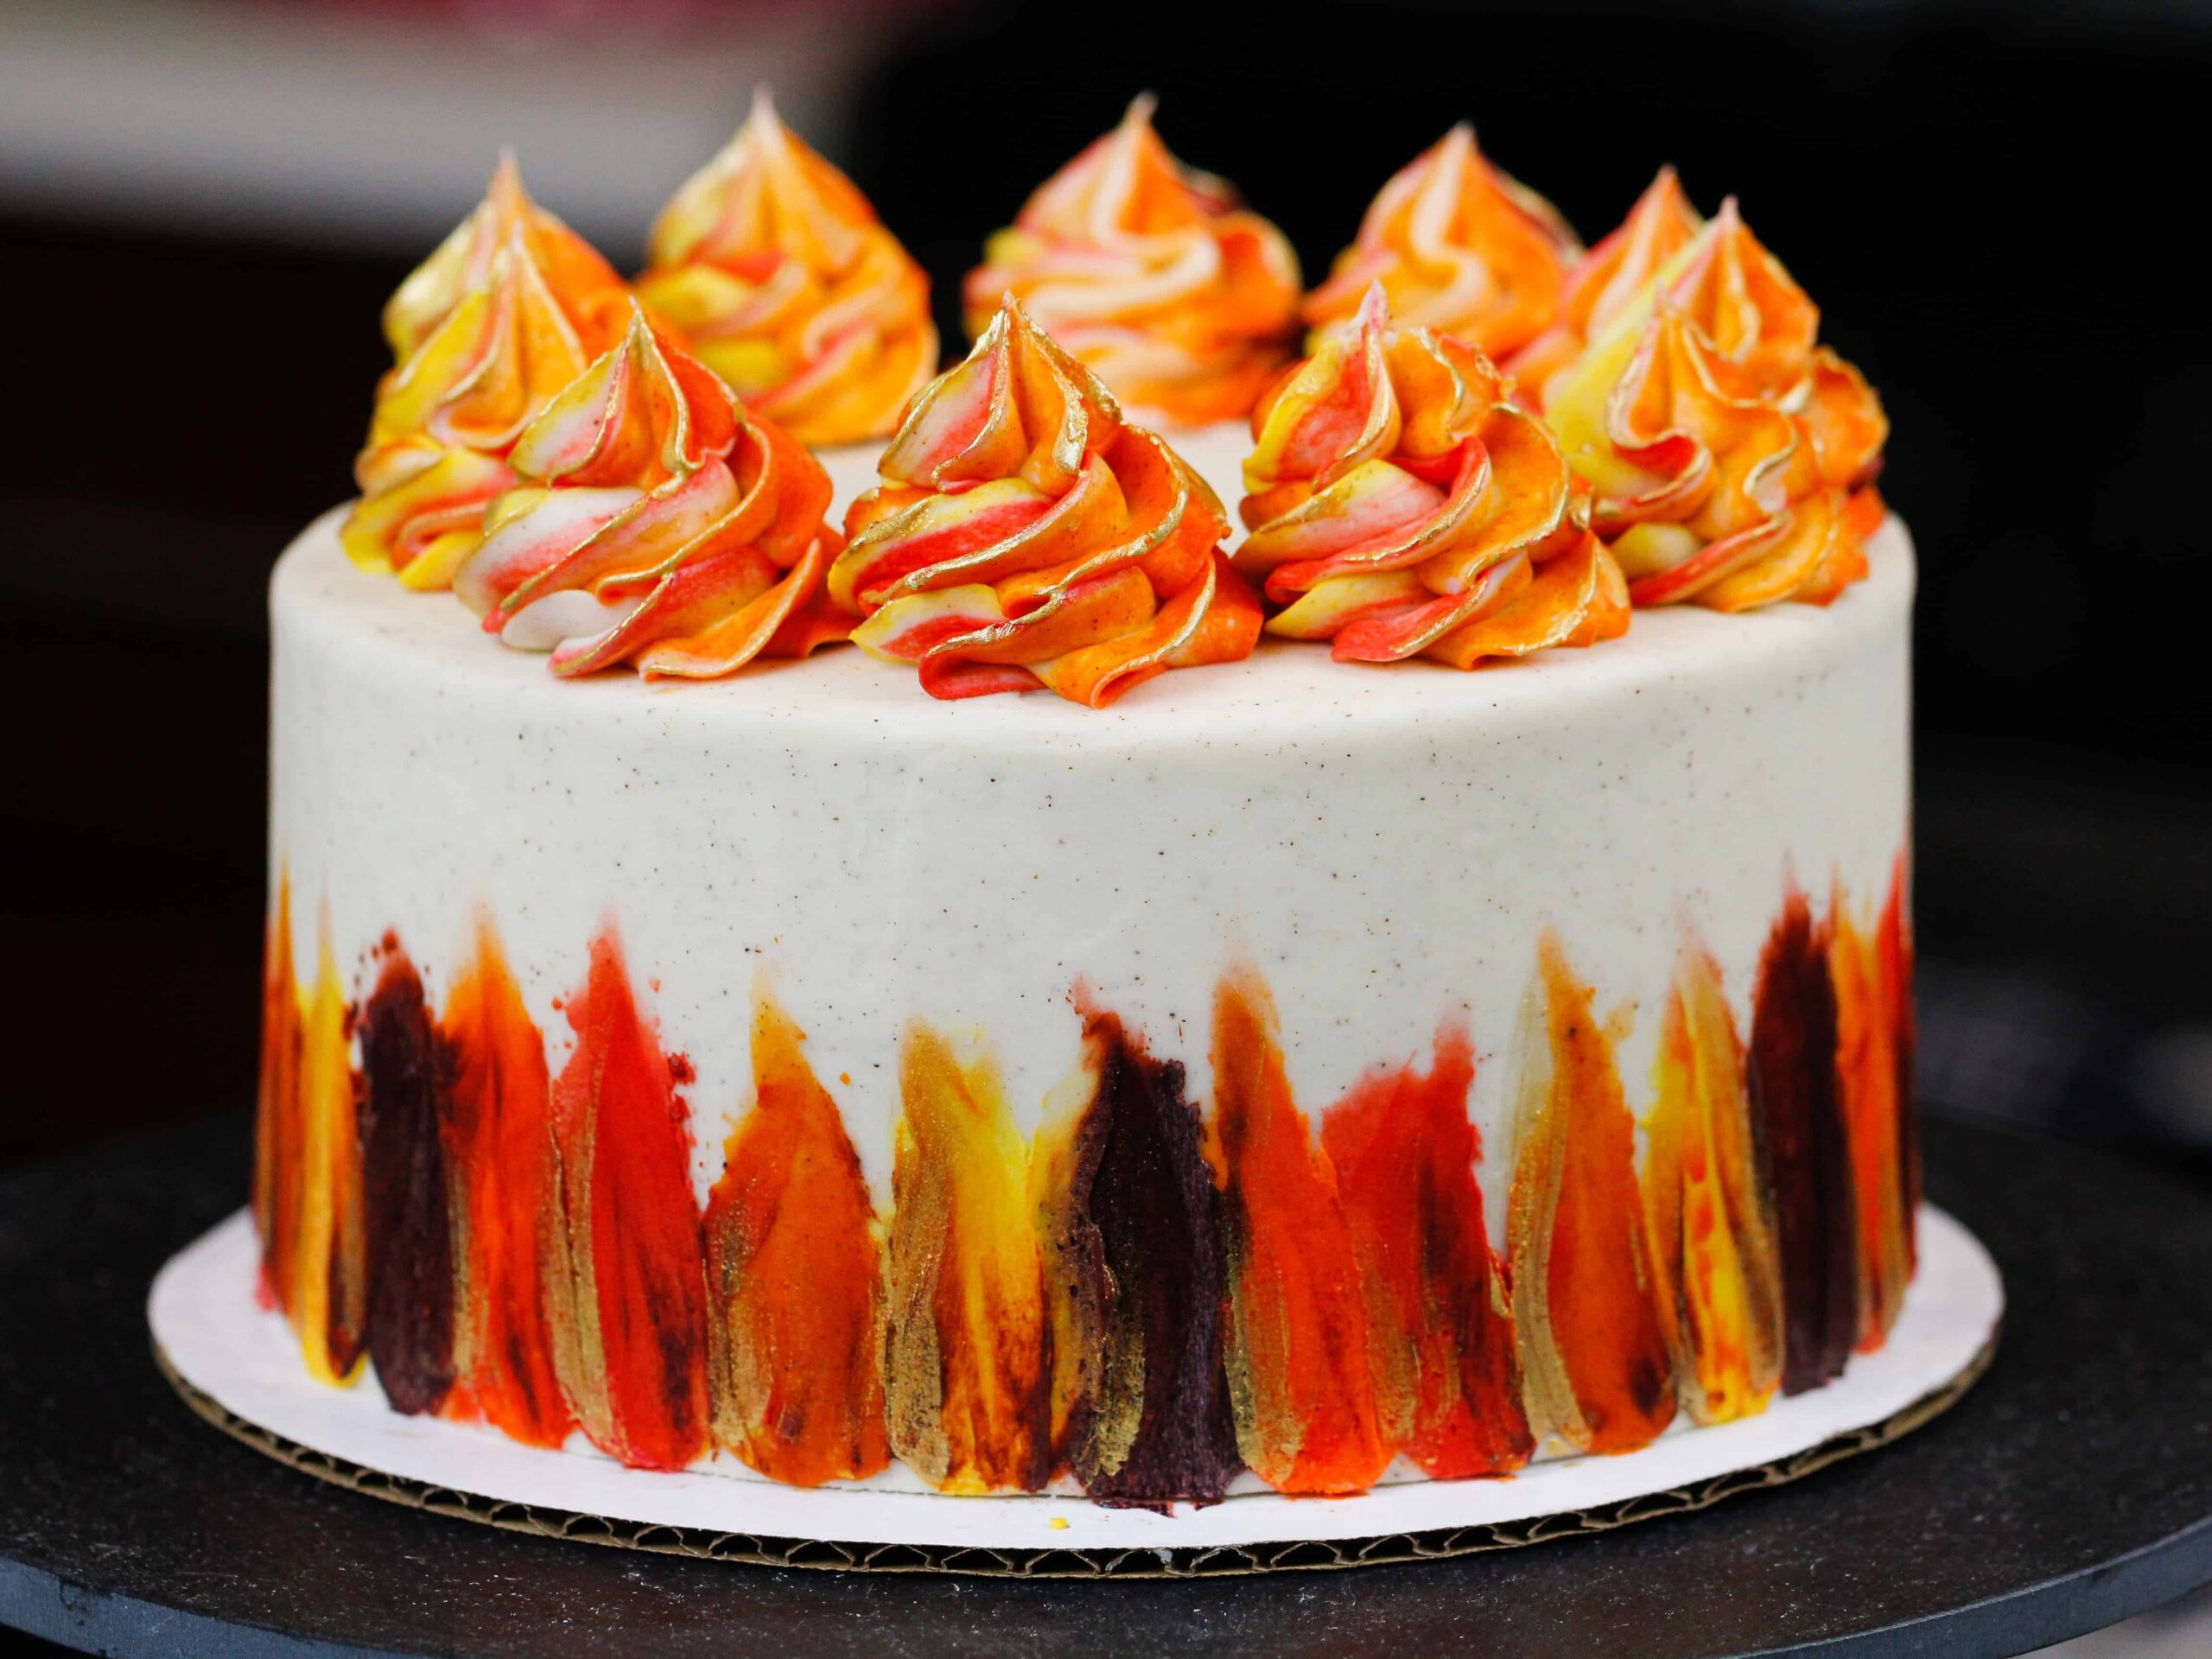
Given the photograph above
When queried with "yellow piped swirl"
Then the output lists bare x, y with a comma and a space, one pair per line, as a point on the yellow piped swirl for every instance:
509, 310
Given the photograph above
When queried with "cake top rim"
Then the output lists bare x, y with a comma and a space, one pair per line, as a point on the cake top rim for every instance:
1286, 687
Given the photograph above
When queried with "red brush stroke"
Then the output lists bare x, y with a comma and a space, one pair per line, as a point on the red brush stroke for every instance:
617, 1096
278, 1138
1405, 1154
1893, 946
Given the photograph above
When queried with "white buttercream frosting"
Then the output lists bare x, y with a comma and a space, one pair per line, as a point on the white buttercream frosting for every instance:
1385, 844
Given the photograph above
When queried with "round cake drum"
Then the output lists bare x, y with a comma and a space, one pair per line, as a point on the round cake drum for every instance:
238, 1363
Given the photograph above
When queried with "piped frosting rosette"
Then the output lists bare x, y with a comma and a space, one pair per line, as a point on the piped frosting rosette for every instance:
1731, 458
1605, 281
777, 271
1401, 504
509, 309
1459, 247
1182, 302
656, 525
1025, 534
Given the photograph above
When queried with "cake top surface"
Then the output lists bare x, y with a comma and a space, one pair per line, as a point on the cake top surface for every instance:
1494, 445
1283, 687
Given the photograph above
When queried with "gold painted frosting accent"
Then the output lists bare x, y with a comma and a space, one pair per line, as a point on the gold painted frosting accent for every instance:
1731, 458
654, 524
509, 309
1025, 533
1401, 505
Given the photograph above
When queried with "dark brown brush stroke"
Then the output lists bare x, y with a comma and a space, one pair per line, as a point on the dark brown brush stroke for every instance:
410, 1292
1149, 1255
1796, 1104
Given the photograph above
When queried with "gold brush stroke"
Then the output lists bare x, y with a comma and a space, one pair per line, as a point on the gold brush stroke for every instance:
329, 1247
1208, 1561
571, 1274
1715, 1246
1094, 1412
1538, 1164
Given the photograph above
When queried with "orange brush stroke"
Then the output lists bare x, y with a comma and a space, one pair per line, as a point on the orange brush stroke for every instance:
1866, 1087
1593, 1351
1441, 1334
509, 1199
626, 1155
793, 1272
1304, 1404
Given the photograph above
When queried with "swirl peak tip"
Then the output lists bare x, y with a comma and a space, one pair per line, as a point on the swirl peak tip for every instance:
1374, 307
506, 187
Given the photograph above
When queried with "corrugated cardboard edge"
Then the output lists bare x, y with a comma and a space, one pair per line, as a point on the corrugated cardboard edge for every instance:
1199, 1562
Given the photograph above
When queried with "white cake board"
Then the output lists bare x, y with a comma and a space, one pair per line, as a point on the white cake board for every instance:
239, 1365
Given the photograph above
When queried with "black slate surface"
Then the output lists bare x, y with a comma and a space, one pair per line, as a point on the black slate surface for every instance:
2072, 1488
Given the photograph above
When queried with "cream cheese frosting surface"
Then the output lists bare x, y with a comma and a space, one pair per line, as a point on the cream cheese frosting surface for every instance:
1386, 844
838, 1002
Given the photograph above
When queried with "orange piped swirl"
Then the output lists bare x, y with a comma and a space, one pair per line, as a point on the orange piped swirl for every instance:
788, 287
1025, 534
509, 309
655, 524
1401, 505
1606, 280
1731, 458
1459, 247
1147, 270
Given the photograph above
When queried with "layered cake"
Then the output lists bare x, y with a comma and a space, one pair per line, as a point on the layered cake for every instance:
1091, 949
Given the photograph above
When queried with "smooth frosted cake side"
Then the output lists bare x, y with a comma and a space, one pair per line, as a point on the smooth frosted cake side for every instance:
1297, 1073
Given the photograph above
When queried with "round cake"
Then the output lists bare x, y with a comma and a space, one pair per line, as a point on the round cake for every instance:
1265, 1055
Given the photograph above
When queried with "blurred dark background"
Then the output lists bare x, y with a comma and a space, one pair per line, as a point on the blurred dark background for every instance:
203, 204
